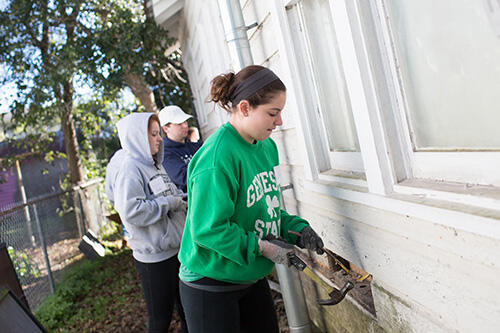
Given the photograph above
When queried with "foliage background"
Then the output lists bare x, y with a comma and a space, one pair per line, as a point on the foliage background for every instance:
78, 67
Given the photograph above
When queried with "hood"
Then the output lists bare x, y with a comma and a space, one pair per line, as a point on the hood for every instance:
133, 134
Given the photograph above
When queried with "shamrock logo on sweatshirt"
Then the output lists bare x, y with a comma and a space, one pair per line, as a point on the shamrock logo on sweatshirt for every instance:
271, 205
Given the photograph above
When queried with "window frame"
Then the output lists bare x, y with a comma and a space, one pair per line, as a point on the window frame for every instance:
468, 167
380, 115
325, 160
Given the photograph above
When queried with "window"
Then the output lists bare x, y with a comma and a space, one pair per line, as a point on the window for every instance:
404, 92
323, 83
448, 57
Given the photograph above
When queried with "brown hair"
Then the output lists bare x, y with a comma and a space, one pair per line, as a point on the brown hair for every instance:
224, 85
153, 118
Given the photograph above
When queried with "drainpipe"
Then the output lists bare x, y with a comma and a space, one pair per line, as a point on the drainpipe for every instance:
235, 32
239, 49
291, 289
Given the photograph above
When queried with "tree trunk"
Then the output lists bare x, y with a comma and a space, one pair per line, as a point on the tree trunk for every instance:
142, 91
80, 196
70, 142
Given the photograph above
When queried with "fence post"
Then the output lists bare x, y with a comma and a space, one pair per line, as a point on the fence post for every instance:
78, 213
26, 208
90, 217
100, 215
44, 248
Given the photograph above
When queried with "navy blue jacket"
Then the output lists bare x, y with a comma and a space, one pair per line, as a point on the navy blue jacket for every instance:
176, 159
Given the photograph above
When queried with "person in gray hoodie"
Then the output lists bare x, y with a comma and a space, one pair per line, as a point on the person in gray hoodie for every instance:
152, 210
112, 169
111, 172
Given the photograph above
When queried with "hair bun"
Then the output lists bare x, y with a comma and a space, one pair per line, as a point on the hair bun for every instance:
220, 90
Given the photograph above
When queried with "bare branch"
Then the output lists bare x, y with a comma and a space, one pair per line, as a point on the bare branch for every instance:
176, 73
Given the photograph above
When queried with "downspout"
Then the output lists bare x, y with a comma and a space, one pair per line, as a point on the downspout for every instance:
293, 294
235, 32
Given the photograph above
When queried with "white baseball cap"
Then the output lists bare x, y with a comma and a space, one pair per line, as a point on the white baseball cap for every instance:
172, 114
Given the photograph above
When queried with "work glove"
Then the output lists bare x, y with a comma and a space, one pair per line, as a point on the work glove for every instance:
310, 240
183, 207
174, 202
275, 249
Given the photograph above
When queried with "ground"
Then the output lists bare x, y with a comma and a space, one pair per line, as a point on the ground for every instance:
61, 254
134, 318
127, 310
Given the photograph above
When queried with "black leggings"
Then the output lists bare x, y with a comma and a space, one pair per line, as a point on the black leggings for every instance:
160, 283
247, 310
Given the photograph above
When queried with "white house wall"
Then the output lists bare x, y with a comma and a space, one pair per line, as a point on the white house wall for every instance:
205, 56
435, 262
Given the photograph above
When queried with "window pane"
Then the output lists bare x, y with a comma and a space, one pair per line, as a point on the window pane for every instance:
330, 83
449, 54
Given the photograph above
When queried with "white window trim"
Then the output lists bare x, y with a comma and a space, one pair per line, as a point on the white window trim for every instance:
337, 160
469, 220
315, 148
295, 94
363, 97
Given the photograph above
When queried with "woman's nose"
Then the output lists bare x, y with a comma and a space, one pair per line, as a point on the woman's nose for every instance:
279, 121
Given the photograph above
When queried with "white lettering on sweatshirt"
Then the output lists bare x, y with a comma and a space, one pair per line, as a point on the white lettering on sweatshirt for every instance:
261, 184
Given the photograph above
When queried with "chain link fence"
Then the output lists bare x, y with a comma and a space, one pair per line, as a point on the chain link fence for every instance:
42, 235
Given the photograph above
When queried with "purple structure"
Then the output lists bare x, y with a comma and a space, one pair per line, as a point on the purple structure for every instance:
36, 180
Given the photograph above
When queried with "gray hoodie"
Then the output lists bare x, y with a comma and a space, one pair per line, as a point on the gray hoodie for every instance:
143, 195
111, 172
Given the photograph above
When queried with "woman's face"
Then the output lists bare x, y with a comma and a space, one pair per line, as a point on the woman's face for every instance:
154, 137
260, 121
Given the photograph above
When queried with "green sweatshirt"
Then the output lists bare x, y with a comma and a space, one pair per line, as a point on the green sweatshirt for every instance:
234, 199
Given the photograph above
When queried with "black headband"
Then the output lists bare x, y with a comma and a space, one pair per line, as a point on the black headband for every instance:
252, 84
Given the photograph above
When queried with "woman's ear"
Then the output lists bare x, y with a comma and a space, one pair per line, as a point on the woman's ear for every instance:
244, 107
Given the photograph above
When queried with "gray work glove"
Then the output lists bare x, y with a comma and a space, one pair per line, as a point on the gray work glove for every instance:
310, 240
183, 205
275, 249
174, 202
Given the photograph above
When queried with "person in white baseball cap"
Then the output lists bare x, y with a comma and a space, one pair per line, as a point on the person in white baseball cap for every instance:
173, 114
178, 149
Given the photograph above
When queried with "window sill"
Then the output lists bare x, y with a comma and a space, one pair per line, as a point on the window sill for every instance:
480, 216
344, 177
481, 196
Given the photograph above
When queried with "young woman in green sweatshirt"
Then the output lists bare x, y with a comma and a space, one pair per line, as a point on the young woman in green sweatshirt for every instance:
234, 203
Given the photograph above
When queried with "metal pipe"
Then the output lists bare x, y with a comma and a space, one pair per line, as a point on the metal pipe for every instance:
294, 300
235, 32
292, 291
